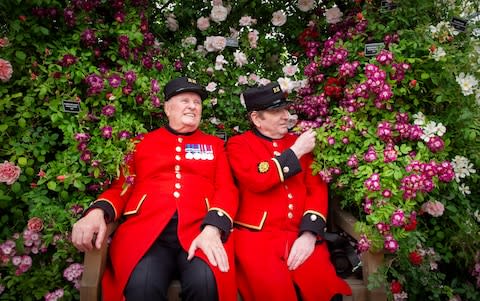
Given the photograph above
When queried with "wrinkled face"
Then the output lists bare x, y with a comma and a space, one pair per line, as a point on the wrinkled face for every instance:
184, 112
271, 123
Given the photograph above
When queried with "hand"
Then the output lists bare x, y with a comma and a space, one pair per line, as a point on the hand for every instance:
304, 143
210, 243
302, 249
90, 230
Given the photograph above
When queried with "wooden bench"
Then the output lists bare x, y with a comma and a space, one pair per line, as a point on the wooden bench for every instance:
95, 261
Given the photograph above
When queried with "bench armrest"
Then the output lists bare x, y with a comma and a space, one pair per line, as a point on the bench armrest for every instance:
371, 261
94, 263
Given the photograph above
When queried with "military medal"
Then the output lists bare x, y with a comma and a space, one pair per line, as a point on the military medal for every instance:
188, 152
209, 152
196, 151
203, 153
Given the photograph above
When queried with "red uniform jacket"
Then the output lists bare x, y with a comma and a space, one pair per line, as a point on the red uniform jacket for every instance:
188, 174
279, 199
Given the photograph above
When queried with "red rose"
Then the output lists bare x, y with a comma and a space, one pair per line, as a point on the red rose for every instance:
415, 258
395, 287
411, 226
61, 178
413, 83
35, 224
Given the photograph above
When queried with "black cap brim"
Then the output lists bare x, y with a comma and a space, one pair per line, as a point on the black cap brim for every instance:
202, 93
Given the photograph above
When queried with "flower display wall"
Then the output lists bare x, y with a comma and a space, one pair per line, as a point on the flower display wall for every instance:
397, 127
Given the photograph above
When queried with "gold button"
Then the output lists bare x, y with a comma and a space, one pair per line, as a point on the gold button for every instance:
177, 157
178, 149
275, 144
290, 215
286, 169
290, 196
313, 217
275, 153
178, 186
290, 206
178, 176
176, 194
180, 139
220, 213
177, 167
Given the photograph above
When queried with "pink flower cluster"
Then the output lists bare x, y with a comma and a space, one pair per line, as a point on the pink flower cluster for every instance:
73, 273
55, 295
363, 244
373, 182
421, 179
9, 172
390, 244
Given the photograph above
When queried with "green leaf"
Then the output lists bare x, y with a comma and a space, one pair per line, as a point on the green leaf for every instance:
52, 185
22, 161
20, 55
424, 76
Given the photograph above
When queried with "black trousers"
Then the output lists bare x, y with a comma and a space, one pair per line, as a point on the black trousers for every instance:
165, 261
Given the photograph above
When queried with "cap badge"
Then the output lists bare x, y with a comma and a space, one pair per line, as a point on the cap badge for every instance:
190, 80
276, 89
263, 167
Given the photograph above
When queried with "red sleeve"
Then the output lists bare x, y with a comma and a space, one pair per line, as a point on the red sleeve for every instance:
317, 190
119, 191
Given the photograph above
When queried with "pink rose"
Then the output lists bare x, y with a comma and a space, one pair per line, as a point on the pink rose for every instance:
35, 224
203, 23
172, 23
215, 43
3, 42
219, 13
253, 38
5, 70
279, 18
434, 208
9, 172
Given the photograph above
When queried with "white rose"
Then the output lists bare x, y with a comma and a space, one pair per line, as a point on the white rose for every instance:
305, 5
279, 18
219, 13
333, 15
189, 41
240, 58
212, 86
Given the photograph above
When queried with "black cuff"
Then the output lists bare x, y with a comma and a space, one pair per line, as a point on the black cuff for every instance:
219, 220
107, 208
289, 163
313, 223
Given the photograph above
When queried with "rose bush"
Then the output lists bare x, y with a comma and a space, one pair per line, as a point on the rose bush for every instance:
397, 130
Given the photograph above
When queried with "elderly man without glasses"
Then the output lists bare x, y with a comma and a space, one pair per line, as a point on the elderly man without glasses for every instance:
177, 214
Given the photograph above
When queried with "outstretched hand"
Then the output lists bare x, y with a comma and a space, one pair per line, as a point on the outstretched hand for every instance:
210, 243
